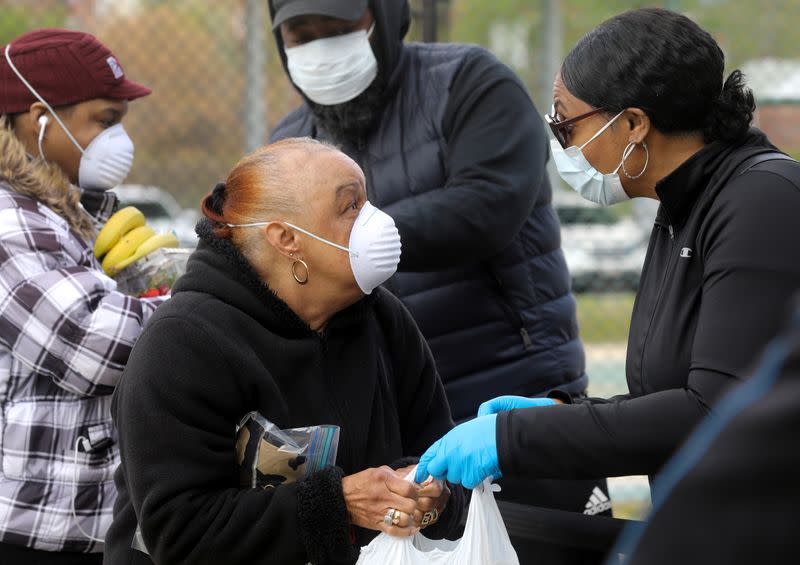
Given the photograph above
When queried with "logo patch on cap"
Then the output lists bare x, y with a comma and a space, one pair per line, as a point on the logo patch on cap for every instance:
115, 67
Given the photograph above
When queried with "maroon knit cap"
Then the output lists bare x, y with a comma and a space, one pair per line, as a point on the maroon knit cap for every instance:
65, 67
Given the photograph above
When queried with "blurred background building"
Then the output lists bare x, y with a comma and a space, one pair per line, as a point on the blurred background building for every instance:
219, 88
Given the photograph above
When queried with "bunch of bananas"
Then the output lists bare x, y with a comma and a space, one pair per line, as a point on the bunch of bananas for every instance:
126, 238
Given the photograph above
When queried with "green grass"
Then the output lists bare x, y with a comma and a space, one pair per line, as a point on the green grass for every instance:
630, 509
604, 317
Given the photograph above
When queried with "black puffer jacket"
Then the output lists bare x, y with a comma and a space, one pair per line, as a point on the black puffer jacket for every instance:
225, 346
458, 159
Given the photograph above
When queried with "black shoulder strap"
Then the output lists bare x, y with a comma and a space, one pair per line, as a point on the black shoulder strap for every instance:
751, 162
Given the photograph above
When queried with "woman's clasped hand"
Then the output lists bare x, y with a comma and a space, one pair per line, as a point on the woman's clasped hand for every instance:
382, 499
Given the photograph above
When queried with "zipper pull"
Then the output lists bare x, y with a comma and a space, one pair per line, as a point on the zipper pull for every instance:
671, 232
526, 339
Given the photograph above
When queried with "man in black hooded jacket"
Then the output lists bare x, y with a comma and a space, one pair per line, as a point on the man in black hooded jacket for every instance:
454, 150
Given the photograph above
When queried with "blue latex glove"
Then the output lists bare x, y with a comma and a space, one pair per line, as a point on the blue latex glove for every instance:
466, 455
503, 403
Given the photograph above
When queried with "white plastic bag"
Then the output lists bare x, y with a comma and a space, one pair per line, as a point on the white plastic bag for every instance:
485, 540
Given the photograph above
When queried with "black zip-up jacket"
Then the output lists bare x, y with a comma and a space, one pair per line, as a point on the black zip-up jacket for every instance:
722, 265
737, 473
224, 346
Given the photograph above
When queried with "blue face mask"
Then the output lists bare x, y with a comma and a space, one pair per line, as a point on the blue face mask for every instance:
576, 171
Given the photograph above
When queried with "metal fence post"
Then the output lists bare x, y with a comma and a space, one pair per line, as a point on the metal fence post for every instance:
430, 20
255, 106
553, 42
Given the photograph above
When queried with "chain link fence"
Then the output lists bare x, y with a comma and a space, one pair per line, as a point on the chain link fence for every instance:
219, 87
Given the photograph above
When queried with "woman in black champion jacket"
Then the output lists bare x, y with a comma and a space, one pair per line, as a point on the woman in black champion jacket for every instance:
641, 99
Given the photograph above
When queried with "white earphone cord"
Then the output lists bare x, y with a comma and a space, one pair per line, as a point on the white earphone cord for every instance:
75, 492
42, 125
42, 100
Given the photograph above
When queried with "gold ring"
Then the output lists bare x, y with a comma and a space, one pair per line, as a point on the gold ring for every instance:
430, 517
396, 518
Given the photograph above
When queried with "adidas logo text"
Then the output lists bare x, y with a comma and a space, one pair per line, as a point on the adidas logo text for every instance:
598, 502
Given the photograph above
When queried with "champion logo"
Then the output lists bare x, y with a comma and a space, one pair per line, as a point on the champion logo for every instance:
115, 67
598, 502
686, 252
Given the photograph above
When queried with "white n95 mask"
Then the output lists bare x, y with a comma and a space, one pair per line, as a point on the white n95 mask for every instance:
333, 70
576, 171
105, 162
374, 246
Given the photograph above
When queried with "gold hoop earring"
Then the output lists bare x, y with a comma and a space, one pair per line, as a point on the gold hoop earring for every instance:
300, 281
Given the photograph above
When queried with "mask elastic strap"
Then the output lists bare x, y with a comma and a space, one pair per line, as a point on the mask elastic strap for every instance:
371, 29
625, 154
604, 128
42, 100
308, 233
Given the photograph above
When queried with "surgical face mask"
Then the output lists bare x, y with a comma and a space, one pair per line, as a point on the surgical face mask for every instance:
108, 158
575, 169
374, 246
333, 70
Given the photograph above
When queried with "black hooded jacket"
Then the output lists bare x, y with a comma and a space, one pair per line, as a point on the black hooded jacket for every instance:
721, 268
457, 157
224, 346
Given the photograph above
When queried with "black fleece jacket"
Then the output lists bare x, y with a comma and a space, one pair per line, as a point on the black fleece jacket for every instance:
224, 346
721, 269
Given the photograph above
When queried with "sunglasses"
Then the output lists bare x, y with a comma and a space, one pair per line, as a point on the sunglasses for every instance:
562, 129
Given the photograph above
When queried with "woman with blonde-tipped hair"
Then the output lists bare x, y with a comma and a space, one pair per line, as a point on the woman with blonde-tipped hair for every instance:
280, 312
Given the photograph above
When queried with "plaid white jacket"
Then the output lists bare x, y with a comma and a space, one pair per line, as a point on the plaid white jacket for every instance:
65, 336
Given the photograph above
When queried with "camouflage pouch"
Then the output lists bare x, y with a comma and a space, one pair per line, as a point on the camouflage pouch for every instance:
268, 456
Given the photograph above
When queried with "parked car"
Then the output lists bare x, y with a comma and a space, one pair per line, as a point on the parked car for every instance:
162, 211
604, 252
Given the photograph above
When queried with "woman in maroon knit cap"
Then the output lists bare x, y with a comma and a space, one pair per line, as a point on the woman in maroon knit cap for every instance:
65, 332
